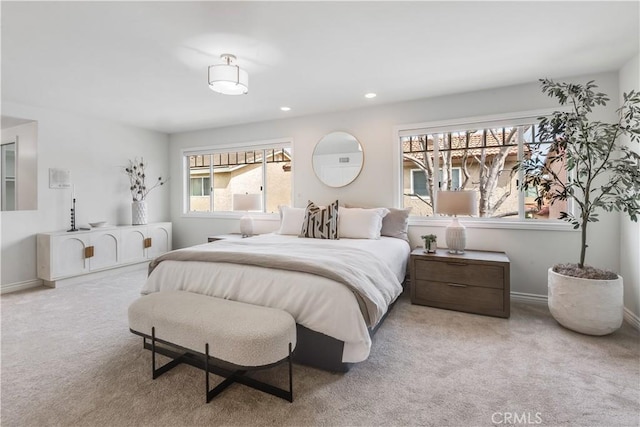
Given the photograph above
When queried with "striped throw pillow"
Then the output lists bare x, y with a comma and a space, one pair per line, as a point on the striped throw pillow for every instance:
320, 223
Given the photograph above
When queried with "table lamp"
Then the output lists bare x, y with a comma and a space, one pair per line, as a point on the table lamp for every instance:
456, 203
247, 202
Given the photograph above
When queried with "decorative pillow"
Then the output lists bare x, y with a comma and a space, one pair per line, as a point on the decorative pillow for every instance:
291, 220
358, 223
320, 223
396, 223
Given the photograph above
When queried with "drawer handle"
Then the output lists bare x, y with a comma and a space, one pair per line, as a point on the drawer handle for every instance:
462, 264
88, 252
456, 285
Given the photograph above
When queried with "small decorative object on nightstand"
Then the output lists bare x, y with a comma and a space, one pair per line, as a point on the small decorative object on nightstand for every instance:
476, 281
430, 243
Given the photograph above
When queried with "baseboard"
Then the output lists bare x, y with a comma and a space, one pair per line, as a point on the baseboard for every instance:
20, 286
530, 298
631, 318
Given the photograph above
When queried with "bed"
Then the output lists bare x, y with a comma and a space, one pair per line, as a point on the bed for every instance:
338, 291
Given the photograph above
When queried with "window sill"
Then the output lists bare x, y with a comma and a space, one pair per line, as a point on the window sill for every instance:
547, 225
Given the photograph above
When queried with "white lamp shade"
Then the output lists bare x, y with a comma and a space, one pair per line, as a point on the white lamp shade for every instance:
228, 79
456, 203
247, 202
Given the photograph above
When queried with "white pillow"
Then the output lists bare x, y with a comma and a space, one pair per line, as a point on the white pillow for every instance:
291, 220
358, 223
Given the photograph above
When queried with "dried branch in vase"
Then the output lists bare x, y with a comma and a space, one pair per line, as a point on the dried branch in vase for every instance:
137, 176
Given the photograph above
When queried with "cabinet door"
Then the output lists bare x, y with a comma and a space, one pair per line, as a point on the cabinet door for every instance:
105, 249
160, 240
68, 255
132, 245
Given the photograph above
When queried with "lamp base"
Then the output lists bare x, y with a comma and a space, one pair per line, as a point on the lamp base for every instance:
456, 237
246, 226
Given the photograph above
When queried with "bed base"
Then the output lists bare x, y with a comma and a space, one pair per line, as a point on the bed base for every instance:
321, 351
318, 350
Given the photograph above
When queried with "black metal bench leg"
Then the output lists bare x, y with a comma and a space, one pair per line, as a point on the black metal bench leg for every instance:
224, 384
290, 376
239, 377
206, 370
155, 373
230, 377
153, 352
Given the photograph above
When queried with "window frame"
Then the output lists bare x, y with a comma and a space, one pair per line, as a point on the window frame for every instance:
487, 121
286, 142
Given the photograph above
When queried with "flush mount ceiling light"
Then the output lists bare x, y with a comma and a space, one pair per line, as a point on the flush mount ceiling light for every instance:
228, 78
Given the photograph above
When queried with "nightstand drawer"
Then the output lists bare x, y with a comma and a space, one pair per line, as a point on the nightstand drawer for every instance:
461, 272
458, 296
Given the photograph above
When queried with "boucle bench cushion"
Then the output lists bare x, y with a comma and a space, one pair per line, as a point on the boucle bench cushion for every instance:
238, 333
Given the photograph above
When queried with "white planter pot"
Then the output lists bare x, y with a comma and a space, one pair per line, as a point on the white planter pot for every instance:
592, 307
139, 213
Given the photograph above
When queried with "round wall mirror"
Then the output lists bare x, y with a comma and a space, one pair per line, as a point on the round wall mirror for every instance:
338, 159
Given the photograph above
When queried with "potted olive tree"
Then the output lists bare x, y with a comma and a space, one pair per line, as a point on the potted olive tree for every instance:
601, 174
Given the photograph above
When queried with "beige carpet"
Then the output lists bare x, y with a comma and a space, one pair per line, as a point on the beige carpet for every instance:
69, 359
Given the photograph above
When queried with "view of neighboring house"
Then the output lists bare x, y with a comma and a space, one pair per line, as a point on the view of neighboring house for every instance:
215, 178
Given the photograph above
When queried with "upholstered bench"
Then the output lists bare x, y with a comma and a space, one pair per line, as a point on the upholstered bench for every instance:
227, 338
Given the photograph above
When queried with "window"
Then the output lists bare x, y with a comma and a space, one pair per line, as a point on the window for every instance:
477, 156
214, 176
419, 186
200, 186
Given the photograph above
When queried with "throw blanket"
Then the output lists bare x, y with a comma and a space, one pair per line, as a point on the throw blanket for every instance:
372, 282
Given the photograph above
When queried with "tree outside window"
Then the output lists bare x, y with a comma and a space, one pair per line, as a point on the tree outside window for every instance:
479, 159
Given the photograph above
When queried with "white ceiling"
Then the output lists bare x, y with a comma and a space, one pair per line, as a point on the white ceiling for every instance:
145, 63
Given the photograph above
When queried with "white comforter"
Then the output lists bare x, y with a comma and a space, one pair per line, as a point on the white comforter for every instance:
315, 302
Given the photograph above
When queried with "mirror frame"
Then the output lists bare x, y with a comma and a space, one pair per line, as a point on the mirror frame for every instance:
346, 137
24, 132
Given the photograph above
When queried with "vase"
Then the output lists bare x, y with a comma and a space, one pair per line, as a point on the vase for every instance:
588, 306
139, 213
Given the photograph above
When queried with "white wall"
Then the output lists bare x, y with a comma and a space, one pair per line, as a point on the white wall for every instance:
94, 151
531, 252
630, 231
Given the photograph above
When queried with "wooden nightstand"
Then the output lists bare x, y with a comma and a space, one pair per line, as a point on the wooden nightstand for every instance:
230, 236
475, 282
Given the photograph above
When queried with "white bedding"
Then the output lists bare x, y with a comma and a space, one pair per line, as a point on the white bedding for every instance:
318, 303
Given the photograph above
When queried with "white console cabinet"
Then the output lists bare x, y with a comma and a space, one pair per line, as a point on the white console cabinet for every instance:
63, 255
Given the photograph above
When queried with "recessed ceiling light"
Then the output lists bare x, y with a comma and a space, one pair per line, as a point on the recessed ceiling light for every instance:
370, 95
285, 108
